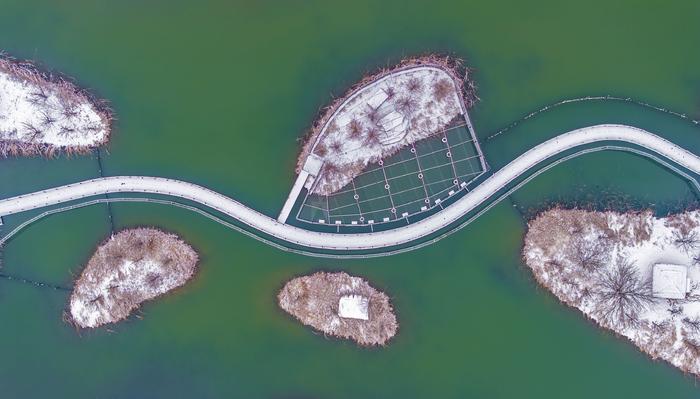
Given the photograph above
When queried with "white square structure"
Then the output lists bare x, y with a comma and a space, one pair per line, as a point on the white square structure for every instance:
354, 307
312, 165
669, 281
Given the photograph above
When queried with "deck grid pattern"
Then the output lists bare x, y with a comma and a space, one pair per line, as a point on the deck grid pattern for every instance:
414, 180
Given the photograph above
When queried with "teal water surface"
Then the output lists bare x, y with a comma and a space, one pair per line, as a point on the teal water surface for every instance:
217, 92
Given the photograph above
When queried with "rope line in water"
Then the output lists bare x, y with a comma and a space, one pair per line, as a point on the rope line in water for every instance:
590, 98
35, 283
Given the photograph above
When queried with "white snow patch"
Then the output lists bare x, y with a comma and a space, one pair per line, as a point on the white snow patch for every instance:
353, 307
41, 114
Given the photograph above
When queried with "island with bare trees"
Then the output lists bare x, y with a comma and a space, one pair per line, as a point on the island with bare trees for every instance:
129, 268
384, 112
45, 113
632, 273
340, 305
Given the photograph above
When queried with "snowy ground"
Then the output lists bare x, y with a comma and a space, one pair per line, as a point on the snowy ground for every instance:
601, 263
39, 112
381, 118
131, 267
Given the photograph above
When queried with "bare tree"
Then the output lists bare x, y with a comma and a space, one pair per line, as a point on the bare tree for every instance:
336, 146
390, 92
38, 96
406, 105
66, 131
46, 119
674, 308
692, 324
355, 128
621, 295
414, 85
590, 255
69, 111
696, 260
693, 346
34, 133
659, 327
372, 136
321, 150
372, 114
441, 89
686, 241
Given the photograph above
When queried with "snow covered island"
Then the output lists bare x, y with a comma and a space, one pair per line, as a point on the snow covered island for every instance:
129, 268
384, 112
632, 273
44, 114
340, 305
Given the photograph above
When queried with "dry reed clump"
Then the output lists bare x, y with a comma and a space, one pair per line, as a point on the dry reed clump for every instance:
314, 299
71, 96
130, 267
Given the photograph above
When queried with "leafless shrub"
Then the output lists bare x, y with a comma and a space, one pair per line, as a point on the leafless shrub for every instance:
336, 146
441, 89
686, 241
372, 136
692, 346
93, 128
621, 295
321, 150
66, 131
46, 119
696, 260
674, 308
354, 129
38, 96
659, 327
128, 287
589, 255
69, 111
414, 85
372, 114
406, 105
390, 92
34, 133
691, 324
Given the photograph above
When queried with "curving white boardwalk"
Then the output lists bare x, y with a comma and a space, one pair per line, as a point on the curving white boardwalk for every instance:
360, 241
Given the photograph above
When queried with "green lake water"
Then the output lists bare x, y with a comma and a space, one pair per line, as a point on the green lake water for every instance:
218, 92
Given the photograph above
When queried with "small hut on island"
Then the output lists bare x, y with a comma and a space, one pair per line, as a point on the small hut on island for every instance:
340, 305
354, 307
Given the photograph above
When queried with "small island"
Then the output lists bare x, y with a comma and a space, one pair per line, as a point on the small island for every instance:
386, 111
632, 273
46, 114
340, 305
129, 268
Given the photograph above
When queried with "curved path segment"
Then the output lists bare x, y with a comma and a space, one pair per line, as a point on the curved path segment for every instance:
358, 241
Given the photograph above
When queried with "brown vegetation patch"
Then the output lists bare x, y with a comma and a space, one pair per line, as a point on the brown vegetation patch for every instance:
130, 267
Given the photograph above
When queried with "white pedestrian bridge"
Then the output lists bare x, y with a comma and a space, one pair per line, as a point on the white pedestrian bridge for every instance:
345, 242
